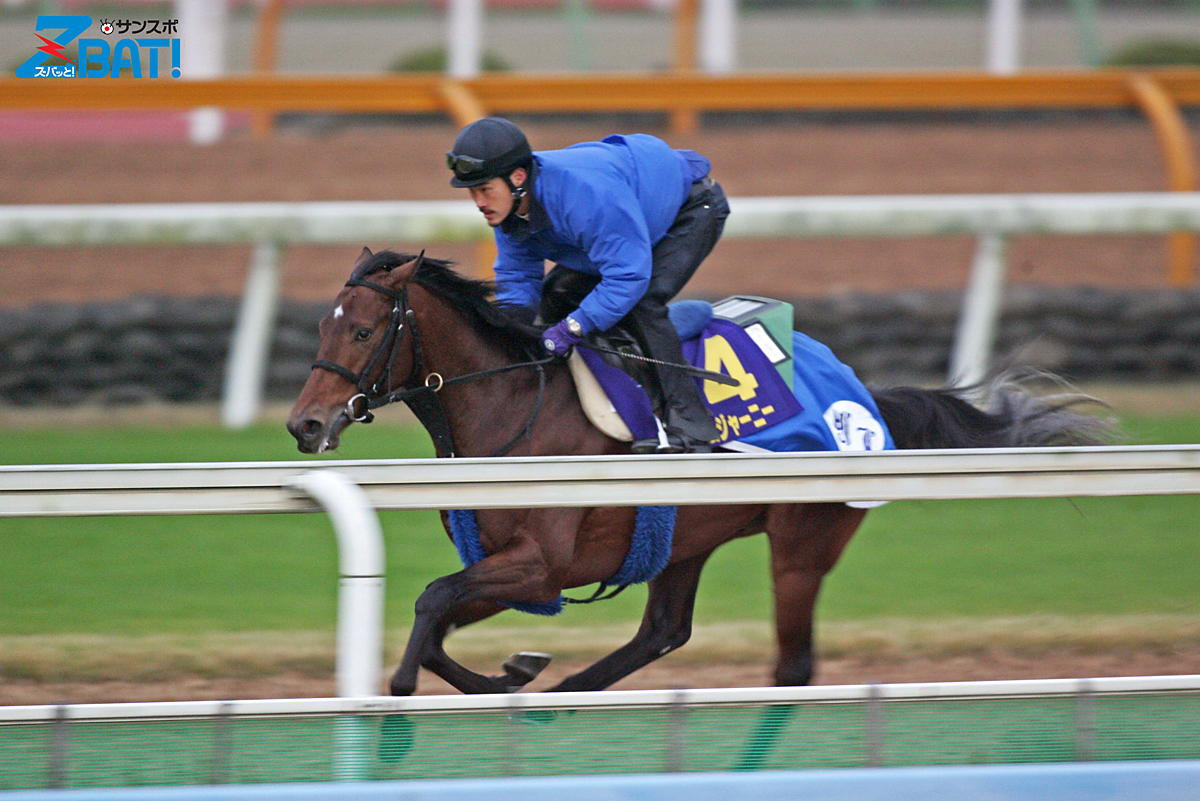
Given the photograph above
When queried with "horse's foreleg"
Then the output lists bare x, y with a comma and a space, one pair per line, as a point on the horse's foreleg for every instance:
806, 541
666, 625
441, 664
517, 574
432, 607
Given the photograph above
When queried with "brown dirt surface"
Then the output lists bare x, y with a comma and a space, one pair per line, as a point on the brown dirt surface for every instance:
668, 673
405, 163
89, 668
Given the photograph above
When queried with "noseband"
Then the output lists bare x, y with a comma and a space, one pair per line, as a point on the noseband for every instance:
374, 394
423, 400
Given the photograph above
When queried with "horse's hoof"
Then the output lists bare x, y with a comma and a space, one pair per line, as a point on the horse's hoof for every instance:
399, 686
523, 667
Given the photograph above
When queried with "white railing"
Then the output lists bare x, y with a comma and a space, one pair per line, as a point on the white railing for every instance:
271, 225
609, 699
352, 490
459, 221
552, 481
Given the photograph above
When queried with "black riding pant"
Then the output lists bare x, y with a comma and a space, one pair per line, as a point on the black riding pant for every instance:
689, 240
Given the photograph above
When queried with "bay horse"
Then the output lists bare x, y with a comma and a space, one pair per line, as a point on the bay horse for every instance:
410, 328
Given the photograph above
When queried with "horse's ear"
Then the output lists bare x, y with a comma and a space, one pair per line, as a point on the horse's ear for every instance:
362, 257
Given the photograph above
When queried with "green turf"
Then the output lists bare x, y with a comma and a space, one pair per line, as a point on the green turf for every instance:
276, 572
261, 443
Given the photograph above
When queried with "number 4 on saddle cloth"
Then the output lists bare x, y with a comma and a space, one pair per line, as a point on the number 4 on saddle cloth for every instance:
794, 394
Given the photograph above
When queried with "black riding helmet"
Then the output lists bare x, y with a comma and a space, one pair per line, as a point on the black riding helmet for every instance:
489, 148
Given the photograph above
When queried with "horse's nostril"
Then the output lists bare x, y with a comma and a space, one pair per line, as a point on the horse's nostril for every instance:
310, 428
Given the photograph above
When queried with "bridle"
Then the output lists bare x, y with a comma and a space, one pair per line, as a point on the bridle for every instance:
423, 400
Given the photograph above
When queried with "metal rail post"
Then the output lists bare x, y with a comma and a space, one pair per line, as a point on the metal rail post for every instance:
246, 367
1085, 722
976, 334
683, 60
718, 36
1004, 37
56, 767
360, 588
222, 746
874, 756
676, 733
1180, 160
266, 57
361, 567
205, 24
464, 38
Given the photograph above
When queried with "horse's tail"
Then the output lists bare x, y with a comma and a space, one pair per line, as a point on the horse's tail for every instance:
1009, 416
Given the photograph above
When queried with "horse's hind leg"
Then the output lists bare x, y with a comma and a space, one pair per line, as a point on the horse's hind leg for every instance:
806, 541
666, 625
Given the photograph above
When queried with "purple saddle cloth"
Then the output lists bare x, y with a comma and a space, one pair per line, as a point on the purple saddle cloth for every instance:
762, 400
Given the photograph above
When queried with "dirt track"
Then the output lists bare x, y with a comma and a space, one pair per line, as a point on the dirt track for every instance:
688, 672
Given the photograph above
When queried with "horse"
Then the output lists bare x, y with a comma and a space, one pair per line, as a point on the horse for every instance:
410, 328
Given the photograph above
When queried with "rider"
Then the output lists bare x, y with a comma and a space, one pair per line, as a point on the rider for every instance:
626, 220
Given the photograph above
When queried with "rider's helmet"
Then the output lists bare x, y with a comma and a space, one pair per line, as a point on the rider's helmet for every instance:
489, 148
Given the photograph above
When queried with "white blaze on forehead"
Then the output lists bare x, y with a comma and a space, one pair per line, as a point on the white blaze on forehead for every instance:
338, 312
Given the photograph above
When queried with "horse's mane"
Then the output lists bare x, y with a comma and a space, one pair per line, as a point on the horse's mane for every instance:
498, 322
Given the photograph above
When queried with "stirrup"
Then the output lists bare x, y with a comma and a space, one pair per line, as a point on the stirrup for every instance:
680, 443
656, 444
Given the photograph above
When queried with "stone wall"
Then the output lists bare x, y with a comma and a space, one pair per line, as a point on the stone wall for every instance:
174, 350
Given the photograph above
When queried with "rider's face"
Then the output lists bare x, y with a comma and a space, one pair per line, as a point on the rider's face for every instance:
494, 199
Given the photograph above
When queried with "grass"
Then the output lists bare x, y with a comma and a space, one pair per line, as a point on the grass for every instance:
266, 442
927, 563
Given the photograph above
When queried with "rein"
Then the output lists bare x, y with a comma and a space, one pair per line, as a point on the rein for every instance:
423, 400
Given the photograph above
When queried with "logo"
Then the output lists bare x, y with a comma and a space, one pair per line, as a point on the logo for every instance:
854, 427
98, 59
70, 27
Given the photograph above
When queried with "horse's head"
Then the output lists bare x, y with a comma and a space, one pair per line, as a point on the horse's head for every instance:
364, 352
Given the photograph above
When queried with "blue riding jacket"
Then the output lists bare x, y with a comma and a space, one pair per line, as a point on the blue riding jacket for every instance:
599, 208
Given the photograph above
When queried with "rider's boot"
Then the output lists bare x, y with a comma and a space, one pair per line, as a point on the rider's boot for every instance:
674, 394
687, 423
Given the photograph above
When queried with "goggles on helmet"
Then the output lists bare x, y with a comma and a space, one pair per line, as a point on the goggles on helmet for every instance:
464, 166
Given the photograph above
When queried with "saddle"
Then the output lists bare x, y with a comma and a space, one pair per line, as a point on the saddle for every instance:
746, 338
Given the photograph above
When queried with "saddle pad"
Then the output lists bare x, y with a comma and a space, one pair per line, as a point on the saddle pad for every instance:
838, 414
596, 406
827, 408
762, 400
625, 396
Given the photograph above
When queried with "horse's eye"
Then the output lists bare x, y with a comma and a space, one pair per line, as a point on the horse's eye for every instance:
362, 334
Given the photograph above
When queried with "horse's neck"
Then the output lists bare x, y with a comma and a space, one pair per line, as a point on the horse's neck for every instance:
487, 412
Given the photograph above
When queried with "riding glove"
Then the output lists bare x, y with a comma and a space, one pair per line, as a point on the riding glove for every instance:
559, 338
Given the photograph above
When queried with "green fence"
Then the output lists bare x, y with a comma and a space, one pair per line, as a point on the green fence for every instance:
235, 748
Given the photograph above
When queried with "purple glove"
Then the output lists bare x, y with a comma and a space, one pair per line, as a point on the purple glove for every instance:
558, 339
